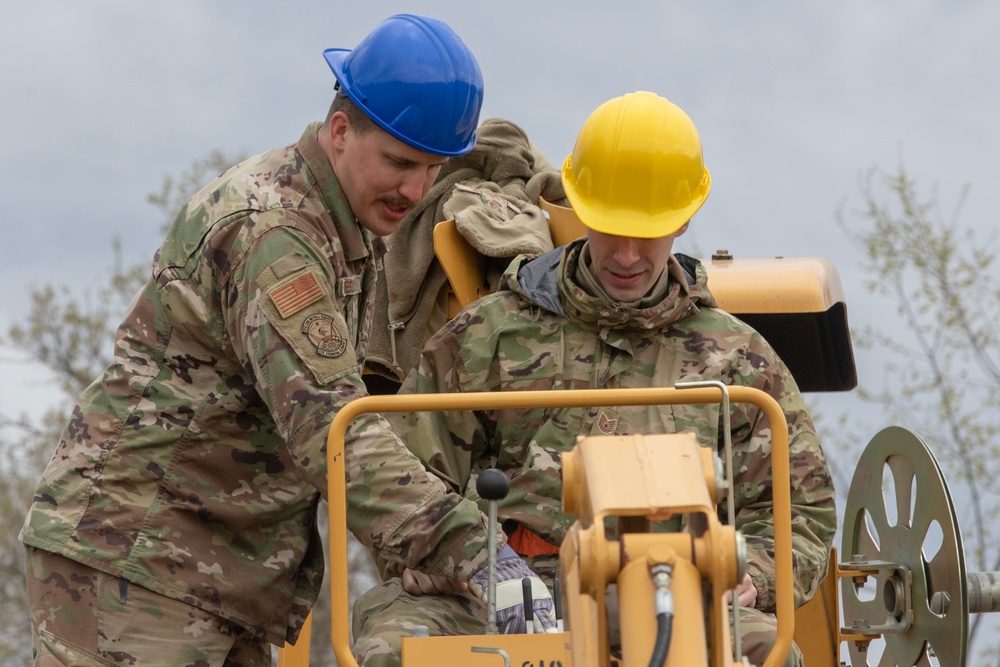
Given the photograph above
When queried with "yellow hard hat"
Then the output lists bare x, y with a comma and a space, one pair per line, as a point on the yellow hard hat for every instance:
637, 168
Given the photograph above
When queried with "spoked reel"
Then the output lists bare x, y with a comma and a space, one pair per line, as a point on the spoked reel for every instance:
900, 530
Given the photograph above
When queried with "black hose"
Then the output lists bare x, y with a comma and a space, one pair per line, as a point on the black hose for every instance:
664, 624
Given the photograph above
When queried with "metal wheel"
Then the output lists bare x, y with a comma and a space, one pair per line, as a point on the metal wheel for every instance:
922, 602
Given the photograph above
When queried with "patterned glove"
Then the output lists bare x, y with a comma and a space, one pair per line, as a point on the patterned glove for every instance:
511, 569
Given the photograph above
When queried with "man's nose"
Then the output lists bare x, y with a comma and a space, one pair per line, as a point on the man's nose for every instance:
416, 183
627, 252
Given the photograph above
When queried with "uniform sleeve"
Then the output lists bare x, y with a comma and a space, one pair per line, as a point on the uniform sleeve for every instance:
289, 331
449, 443
814, 518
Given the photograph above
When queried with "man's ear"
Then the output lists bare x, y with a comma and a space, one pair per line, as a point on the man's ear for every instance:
680, 232
340, 125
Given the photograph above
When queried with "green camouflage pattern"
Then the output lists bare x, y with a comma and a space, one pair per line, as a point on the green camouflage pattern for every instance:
194, 464
508, 341
81, 616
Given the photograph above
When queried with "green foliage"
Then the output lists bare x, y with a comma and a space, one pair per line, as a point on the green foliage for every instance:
175, 192
70, 333
941, 353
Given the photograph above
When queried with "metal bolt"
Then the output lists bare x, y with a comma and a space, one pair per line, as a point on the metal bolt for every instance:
940, 603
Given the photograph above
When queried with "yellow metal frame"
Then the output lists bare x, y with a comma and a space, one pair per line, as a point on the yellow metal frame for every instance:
543, 649
817, 622
464, 266
297, 655
564, 226
556, 399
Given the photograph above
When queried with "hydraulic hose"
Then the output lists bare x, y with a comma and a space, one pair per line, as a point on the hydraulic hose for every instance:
664, 625
663, 600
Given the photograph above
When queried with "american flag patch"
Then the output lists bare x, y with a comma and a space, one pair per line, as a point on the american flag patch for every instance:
291, 297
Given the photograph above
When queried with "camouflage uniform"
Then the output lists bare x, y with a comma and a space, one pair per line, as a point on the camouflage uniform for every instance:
193, 466
545, 332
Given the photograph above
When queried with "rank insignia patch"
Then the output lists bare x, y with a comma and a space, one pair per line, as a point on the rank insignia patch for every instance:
606, 424
296, 294
324, 336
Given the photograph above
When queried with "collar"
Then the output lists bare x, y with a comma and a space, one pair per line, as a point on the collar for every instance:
595, 312
354, 239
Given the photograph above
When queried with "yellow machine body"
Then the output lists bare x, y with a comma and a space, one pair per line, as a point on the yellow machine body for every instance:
654, 478
540, 650
638, 626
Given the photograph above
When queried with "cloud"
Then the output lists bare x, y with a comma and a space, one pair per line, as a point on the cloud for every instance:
104, 99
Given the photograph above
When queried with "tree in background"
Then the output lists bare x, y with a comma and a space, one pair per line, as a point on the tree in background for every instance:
70, 333
941, 358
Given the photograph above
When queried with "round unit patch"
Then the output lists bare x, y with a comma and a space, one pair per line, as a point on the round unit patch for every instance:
322, 333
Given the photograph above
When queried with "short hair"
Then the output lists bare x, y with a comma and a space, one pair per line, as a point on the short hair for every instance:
359, 119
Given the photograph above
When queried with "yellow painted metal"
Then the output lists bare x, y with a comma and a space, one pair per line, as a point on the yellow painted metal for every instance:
467, 651
550, 399
817, 622
778, 285
564, 226
297, 655
638, 623
462, 264
654, 477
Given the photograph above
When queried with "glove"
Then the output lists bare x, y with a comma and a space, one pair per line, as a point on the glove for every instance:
511, 569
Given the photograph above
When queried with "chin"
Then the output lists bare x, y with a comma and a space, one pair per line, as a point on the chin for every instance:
380, 227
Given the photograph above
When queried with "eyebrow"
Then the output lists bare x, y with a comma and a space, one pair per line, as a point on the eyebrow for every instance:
408, 161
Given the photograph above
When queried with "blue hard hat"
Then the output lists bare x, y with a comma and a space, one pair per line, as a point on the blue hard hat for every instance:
417, 80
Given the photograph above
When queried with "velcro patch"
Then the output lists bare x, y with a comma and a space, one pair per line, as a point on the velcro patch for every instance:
607, 422
292, 296
350, 286
323, 333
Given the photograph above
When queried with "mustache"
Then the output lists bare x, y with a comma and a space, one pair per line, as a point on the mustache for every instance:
399, 202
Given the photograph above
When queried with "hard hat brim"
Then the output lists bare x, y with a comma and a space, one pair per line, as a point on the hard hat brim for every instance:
627, 222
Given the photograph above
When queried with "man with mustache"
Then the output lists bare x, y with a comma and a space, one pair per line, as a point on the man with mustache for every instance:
614, 309
176, 521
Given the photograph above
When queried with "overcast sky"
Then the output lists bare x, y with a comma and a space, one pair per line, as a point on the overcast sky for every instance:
103, 99
794, 101
100, 100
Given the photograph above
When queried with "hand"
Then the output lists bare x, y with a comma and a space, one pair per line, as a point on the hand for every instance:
746, 591
511, 569
418, 583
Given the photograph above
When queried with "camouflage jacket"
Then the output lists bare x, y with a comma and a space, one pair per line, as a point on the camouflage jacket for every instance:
194, 464
543, 332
